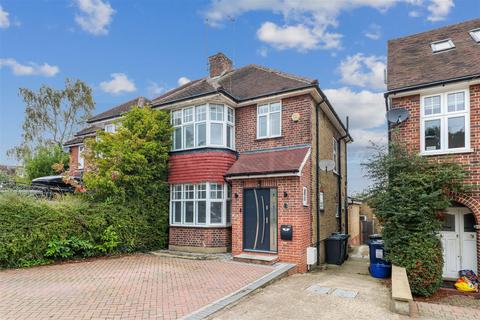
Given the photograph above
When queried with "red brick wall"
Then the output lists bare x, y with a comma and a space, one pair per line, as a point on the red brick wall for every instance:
296, 214
73, 164
292, 132
198, 167
200, 237
408, 133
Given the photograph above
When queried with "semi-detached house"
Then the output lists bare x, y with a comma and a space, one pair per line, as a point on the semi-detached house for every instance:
435, 76
243, 169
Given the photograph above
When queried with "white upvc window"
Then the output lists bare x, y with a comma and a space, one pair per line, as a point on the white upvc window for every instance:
206, 125
269, 120
81, 159
305, 196
335, 154
445, 122
203, 204
442, 45
475, 34
111, 128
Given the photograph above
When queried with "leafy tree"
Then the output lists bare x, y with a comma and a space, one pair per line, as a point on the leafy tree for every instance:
408, 195
52, 116
43, 161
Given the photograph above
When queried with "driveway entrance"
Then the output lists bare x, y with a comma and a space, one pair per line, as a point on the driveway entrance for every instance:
139, 286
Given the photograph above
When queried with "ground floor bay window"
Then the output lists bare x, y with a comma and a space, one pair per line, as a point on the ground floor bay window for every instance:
203, 204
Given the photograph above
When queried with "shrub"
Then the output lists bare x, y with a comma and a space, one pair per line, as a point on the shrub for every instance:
408, 193
42, 162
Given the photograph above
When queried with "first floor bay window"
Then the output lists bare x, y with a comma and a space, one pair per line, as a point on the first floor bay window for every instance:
203, 204
445, 122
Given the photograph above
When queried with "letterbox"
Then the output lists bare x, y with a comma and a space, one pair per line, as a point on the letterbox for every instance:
286, 232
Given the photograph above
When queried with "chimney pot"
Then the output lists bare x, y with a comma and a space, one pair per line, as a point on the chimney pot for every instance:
219, 64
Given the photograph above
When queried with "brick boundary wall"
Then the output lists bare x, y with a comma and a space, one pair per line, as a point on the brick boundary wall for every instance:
200, 237
408, 133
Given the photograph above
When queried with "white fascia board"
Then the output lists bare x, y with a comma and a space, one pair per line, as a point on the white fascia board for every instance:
199, 100
435, 89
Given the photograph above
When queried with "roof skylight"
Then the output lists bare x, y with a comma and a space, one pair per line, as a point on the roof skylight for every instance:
442, 45
475, 34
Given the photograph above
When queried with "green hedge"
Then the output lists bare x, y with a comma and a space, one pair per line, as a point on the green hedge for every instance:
38, 231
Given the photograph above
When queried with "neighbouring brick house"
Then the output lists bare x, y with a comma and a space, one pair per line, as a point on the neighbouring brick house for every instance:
435, 75
243, 164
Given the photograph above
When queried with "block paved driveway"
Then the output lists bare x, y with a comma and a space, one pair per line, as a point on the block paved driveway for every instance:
140, 286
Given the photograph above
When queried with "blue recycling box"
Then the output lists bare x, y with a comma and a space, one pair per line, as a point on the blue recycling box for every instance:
379, 267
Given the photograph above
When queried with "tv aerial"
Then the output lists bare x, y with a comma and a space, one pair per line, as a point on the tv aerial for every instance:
327, 165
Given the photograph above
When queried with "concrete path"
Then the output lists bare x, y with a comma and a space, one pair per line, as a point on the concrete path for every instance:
290, 299
139, 286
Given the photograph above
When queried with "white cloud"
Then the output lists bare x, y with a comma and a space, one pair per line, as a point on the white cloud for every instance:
263, 51
119, 84
366, 109
414, 14
4, 20
439, 9
183, 80
95, 16
30, 69
363, 71
374, 32
155, 88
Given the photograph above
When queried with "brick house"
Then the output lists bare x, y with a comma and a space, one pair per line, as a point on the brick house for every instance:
246, 145
435, 76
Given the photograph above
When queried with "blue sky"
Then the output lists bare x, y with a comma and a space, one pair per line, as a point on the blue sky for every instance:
124, 49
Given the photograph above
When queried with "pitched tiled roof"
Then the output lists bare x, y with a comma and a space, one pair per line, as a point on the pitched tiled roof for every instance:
267, 162
88, 130
244, 83
119, 110
411, 61
73, 141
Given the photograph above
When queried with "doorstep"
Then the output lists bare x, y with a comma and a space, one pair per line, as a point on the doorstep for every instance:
256, 258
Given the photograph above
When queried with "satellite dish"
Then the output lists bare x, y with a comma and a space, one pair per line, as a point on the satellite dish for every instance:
397, 115
327, 165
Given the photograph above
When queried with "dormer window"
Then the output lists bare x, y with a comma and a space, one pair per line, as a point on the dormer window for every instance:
442, 45
475, 34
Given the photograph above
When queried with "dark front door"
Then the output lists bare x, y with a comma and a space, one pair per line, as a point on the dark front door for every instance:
260, 219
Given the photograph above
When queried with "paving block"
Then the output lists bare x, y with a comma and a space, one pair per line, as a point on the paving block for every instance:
317, 289
345, 293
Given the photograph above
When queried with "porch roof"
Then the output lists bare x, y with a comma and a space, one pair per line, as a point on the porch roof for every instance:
285, 161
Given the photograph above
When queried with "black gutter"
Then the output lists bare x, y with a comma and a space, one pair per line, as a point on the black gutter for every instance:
317, 178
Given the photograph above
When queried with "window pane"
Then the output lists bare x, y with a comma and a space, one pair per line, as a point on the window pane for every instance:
275, 107
177, 211
469, 223
216, 212
432, 105
201, 212
262, 126
201, 191
263, 109
189, 142
432, 135
201, 113
456, 101
216, 133
201, 134
275, 124
188, 115
456, 132
189, 211
448, 223
230, 114
177, 192
189, 191
229, 136
216, 191
216, 112
177, 138
177, 118
229, 211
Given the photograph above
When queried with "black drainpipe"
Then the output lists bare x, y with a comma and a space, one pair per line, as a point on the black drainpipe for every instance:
339, 181
317, 178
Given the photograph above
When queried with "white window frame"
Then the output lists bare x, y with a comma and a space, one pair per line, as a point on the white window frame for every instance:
335, 154
208, 122
111, 128
443, 116
449, 41
208, 200
80, 157
269, 112
305, 196
475, 34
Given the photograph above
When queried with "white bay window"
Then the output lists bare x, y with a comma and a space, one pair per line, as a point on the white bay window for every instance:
207, 125
204, 204
445, 122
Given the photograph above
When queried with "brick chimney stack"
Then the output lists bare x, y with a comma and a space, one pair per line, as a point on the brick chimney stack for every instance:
219, 64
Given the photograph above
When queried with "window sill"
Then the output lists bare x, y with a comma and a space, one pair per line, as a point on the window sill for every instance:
446, 152
267, 138
200, 226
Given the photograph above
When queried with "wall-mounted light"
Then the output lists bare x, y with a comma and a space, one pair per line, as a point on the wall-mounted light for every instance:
285, 194
236, 195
